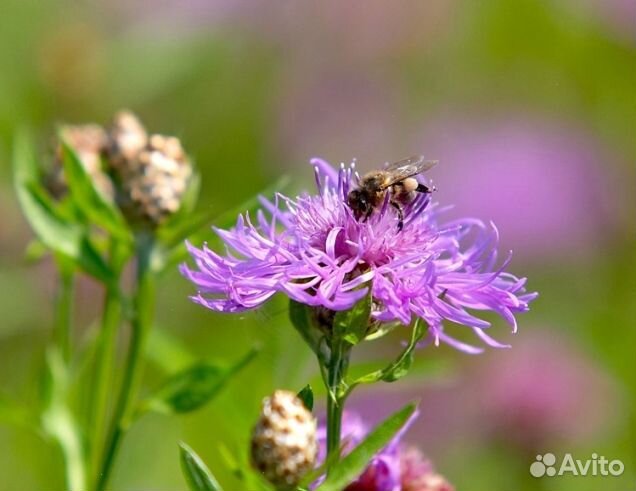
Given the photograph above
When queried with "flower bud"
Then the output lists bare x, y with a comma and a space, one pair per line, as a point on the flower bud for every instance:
284, 445
126, 138
153, 172
89, 142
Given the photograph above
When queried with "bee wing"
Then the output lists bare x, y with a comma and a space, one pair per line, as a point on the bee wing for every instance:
410, 167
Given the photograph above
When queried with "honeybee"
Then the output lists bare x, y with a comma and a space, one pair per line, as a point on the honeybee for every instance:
397, 179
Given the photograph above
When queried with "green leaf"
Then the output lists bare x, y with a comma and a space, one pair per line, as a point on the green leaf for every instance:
54, 231
88, 199
401, 365
196, 473
193, 387
307, 396
352, 325
352, 465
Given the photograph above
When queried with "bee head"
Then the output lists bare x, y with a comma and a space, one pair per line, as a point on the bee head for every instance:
359, 203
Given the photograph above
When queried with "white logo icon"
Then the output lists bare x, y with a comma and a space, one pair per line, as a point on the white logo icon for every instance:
546, 465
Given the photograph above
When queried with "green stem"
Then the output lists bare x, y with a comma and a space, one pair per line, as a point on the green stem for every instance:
336, 395
63, 312
133, 371
105, 356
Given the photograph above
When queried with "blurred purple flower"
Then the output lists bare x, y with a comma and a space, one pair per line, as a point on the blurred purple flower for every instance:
546, 393
396, 467
316, 252
545, 183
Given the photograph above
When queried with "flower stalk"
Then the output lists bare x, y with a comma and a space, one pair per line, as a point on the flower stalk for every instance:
336, 373
133, 370
106, 346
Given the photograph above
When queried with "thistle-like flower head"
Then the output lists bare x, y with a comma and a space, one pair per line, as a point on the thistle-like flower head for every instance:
153, 171
314, 250
283, 446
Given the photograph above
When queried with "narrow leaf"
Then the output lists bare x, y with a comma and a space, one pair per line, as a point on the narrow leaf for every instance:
352, 465
55, 233
196, 473
51, 228
60, 236
307, 396
88, 199
195, 386
401, 365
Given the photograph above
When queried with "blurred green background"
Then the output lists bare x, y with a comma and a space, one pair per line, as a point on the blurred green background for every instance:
529, 105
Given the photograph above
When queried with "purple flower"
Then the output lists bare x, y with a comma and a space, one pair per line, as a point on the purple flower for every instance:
396, 467
316, 252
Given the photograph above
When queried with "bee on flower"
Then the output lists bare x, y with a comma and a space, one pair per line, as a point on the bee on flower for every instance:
319, 251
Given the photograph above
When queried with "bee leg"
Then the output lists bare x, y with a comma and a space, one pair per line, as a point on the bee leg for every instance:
400, 213
368, 214
421, 188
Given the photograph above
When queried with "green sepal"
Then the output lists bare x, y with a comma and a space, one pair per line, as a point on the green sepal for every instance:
352, 325
307, 396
